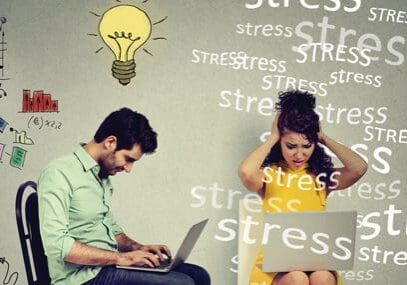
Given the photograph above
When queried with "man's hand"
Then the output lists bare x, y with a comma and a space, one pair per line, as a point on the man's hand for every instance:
89, 255
157, 249
139, 258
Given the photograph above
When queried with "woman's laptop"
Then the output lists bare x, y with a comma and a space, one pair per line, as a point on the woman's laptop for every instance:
181, 255
309, 241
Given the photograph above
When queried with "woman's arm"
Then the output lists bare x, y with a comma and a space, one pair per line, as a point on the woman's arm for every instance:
250, 171
354, 167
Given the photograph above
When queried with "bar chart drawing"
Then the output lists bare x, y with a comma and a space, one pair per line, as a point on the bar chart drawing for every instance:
39, 102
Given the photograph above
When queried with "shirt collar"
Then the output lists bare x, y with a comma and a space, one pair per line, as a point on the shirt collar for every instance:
85, 159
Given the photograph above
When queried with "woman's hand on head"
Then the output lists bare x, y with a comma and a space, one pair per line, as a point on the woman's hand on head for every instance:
274, 126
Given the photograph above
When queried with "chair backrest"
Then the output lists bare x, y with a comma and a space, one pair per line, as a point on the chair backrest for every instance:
248, 251
35, 260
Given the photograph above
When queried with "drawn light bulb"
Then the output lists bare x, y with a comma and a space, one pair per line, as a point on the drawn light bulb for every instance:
124, 29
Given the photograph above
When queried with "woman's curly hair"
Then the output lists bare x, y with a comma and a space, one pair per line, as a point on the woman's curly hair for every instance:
297, 115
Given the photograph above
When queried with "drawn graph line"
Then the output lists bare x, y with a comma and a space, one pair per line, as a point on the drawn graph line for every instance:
7, 278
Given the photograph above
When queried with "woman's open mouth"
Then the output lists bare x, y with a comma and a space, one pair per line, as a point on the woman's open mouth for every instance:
298, 162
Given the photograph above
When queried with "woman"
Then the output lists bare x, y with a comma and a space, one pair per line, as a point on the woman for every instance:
291, 152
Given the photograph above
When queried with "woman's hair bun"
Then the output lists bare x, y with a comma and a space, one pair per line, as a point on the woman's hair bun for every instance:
297, 113
295, 100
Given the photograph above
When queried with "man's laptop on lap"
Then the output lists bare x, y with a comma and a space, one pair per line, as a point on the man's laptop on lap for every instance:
182, 254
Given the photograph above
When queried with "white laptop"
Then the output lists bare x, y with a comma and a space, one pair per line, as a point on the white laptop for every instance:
181, 255
309, 241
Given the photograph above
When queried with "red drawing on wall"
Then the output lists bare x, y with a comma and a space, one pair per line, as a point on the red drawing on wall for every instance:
38, 102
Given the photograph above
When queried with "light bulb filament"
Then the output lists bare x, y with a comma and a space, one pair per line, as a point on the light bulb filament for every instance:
124, 42
124, 29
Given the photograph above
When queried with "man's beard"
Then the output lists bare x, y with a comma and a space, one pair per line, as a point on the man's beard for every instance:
105, 168
103, 173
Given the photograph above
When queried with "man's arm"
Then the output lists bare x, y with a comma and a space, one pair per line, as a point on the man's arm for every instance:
88, 255
127, 244
54, 196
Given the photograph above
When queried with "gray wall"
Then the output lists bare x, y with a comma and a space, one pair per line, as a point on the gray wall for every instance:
204, 131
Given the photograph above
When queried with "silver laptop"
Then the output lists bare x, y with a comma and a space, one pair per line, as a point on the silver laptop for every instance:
181, 255
309, 241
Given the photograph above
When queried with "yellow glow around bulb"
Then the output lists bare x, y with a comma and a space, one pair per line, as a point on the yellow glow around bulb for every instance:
124, 29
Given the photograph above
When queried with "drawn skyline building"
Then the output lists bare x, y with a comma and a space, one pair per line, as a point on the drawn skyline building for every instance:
39, 102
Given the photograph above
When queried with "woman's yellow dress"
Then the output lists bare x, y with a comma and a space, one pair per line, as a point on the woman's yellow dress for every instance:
286, 193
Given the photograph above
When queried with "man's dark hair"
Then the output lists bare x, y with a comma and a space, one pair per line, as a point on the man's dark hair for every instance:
129, 127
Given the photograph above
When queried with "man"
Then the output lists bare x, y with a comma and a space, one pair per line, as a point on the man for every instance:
81, 239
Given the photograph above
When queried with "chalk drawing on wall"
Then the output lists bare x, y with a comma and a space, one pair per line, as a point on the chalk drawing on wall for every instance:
38, 102
21, 137
3, 20
3, 48
124, 29
18, 154
39, 122
3, 125
3, 92
3, 43
17, 157
13, 277
2, 146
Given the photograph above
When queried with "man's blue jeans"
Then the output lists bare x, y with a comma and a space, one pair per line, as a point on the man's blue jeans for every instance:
185, 274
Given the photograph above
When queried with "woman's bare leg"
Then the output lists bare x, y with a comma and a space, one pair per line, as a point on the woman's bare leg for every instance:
322, 278
291, 278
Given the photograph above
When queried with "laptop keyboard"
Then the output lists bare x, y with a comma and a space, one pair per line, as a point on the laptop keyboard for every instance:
165, 263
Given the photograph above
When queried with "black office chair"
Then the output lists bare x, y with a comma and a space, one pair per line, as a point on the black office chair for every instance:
31, 244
